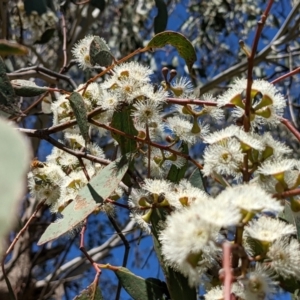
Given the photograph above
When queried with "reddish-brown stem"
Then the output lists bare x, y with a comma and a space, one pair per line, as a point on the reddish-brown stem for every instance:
84, 169
287, 194
290, 127
227, 270
287, 75
82, 249
116, 203
163, 147
13, 243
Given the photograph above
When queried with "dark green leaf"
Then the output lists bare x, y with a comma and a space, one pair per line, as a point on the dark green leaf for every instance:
8, 100
96, 191
290, 285
12, 48
177, 40
100, 53
177, 284
161, 19
40, 6
98, 3
92, 292
139, 288
46, 36
80, 112
196, 179
27, 88
176, 174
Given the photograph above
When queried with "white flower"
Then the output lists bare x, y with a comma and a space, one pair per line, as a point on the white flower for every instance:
250, 198
109, 100
249, 140
275, 147
92, 94
217, 212
221, 135
264, 110
258, 284
157, 186
146, 112
184, 194
81, 52
181, 86
186, 243
140, 221
215, 293
134, 70
276, 167
266, 229
223, 158
285, 257
214, 111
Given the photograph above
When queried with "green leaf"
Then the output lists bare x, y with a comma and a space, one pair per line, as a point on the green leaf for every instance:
100, 53
46, 36
8, 100
12, 48
177, 40
139, 288
40, 6
177, 284
92, 292
98, 3
176, 174
27, 88
196, 179
80, 112
96, 191
290, 285
288, 216
14, 162
161, 19
122, 120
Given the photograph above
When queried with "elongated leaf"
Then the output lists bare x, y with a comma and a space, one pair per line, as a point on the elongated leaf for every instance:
177, 40
14, 161
123, 121
12, 48
92, 292
46, 36
196, 179
96, 191
161, 19
80, 113
8, 101
176, 174
139, 288
27, 88
177, 284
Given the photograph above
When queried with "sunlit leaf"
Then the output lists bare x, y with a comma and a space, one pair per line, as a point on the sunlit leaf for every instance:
177, 40
139, 288
92, 292
14, 162
12, 48
95, 192
27, 88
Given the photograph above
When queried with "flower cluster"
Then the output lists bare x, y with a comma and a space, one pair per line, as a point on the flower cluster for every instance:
253, 168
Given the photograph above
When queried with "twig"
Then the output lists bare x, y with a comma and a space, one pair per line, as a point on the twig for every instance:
227, 270
64, 30
10, 248
290, 127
